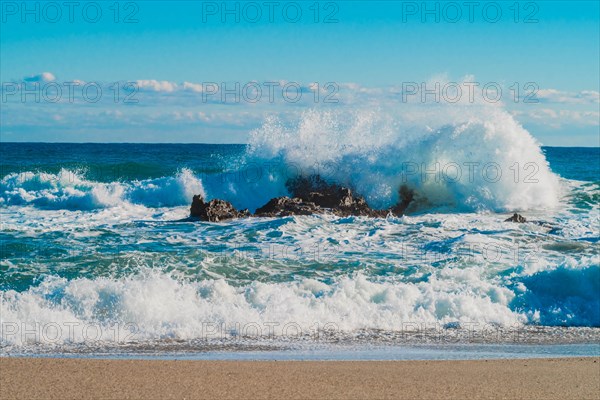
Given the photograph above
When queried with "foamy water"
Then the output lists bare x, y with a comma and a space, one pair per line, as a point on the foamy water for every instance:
111, 258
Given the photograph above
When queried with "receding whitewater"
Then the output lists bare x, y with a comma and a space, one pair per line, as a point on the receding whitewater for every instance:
98, 253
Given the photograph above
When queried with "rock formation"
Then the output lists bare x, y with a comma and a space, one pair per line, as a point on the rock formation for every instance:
215, 210
310, 195
285, 206
516, 218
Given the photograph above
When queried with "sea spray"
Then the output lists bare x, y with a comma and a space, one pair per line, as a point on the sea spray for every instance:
476, 159
118, 253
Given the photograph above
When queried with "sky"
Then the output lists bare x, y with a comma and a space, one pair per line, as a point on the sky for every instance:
195, 71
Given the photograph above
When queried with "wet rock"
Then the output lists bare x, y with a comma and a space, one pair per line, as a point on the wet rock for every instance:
406, 196
333, 198
303, 186
516, 218
310, 195
215, 210
286, 206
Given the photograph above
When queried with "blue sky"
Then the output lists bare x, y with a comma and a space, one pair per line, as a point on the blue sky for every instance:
370, 50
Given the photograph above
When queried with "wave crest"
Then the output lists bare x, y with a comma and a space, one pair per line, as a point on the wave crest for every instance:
70, 190
470, 158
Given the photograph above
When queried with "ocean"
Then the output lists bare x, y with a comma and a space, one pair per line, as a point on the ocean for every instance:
99, 255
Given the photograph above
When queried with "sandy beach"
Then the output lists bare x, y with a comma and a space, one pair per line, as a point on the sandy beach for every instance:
49, 378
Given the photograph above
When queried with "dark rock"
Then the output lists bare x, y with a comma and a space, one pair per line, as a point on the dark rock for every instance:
406, 196
303, 186
311, 195
516, 218
285, 206
340, 200
215, 210
335, 199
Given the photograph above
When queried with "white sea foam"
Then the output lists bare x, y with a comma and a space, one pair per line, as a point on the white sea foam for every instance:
469, 158
70, 190
455, 159
158, 306
440, 267
162, 307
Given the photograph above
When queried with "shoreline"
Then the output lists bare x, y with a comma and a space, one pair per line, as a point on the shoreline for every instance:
101, 378
348, 352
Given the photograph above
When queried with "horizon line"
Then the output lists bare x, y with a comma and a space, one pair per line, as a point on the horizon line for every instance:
222, 144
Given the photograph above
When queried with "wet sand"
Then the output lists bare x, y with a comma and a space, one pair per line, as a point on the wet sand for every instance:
52, 378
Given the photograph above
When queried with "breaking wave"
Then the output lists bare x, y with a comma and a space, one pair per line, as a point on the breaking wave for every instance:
475, 159
160, 306
70, 190
478, 159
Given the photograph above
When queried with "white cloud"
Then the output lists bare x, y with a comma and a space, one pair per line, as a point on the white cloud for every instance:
41, 78
559, 118
157, 86
193, 87
169, 102
557, 96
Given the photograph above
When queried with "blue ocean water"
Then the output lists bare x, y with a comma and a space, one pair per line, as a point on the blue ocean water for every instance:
97, 247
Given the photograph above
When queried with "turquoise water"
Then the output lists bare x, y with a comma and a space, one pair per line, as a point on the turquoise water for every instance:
97, 247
